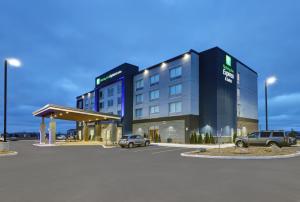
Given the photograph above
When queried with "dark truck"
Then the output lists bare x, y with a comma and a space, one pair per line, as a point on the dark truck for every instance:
266, 138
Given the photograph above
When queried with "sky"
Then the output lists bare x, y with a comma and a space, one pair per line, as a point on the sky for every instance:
65, 44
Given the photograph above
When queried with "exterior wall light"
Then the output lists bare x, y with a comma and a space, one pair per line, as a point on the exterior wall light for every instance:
146, 72
186, 56
163, 65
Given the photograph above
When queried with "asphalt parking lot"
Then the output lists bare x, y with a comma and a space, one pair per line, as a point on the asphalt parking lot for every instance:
92, 173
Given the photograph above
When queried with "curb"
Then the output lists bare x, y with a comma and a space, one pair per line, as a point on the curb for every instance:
14, 153
45, 145
108, 147
192, 146
242, 157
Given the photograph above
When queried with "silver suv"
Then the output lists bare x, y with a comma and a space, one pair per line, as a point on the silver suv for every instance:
266, 138
131, 141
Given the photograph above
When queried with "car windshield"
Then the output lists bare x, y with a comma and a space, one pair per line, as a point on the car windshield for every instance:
125, 137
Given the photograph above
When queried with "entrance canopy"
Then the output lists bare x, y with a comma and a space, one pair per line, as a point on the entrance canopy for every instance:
73, 114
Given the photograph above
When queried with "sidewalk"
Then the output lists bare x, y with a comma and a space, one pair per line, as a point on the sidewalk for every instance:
194, 146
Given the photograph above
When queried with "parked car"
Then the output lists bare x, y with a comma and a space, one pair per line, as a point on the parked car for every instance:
266, 138
131, 141
61, 137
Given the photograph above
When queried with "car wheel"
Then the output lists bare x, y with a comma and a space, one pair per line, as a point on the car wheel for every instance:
122, 146
270, 144
130, 145
146, 144
240, 144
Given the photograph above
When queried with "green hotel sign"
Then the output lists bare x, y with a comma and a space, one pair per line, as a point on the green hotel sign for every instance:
228, 71
100, 80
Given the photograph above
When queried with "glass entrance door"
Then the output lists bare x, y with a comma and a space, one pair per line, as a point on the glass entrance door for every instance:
154, 134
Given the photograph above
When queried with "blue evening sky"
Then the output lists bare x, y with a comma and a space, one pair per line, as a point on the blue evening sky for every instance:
65, 44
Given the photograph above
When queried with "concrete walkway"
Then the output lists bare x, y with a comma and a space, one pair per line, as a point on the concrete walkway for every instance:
194, 146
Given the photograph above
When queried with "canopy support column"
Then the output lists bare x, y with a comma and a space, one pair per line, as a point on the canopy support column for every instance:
42, 131
52, 131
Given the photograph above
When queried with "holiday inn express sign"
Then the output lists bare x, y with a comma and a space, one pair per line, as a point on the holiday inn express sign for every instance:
228, 71
100, 80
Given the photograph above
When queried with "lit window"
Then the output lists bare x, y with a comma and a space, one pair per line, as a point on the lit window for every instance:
139, 84
175, 72
154, 109
139, 112
175, 90
238, 78
175, 107
154, 79
139, 99
154, 94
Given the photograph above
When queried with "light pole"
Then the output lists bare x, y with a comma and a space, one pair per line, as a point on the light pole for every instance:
269, 81
14, 63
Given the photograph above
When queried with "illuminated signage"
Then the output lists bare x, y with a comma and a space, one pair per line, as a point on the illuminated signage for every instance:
228, 71
99, 80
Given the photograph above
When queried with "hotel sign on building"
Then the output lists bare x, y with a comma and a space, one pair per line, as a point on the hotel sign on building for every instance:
228, 71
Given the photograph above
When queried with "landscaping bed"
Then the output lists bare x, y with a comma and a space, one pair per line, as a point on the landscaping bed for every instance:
6, 152
250, 151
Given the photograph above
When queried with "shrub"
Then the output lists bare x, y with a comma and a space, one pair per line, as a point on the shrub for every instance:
211, 139
234, 137
206, 138
200, 139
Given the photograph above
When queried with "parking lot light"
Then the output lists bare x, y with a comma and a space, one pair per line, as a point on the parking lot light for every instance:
269, 81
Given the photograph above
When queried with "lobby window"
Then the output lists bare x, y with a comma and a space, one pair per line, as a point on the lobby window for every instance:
175, 90
139, 99
175, 72
154, 79
101, 94
154, 94
119, 100
110, 92
101, 105
154, 109
175, 107
139, 84
139, 112
110, 103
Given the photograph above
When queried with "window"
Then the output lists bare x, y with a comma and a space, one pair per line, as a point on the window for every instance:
79, 104
110, 92
253, 135
139, 84
139, 112
119, 100
175, 107
110, 103
119, 112
154, 79
100, 94
119, 88
265, 134
101, 105
278, 134
176, 89
154, 94
238, 78
139, 99
154, 109
175, 72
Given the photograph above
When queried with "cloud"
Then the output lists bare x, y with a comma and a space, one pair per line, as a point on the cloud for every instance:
67, 85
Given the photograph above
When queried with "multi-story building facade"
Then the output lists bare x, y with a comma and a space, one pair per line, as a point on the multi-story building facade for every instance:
205, 92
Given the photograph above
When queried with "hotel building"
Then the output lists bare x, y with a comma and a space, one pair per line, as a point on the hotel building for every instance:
204, 92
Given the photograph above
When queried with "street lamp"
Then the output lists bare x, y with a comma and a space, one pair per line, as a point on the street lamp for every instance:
269, 81
14, 63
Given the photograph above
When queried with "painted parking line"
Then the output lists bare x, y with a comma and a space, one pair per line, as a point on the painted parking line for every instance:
169, 150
